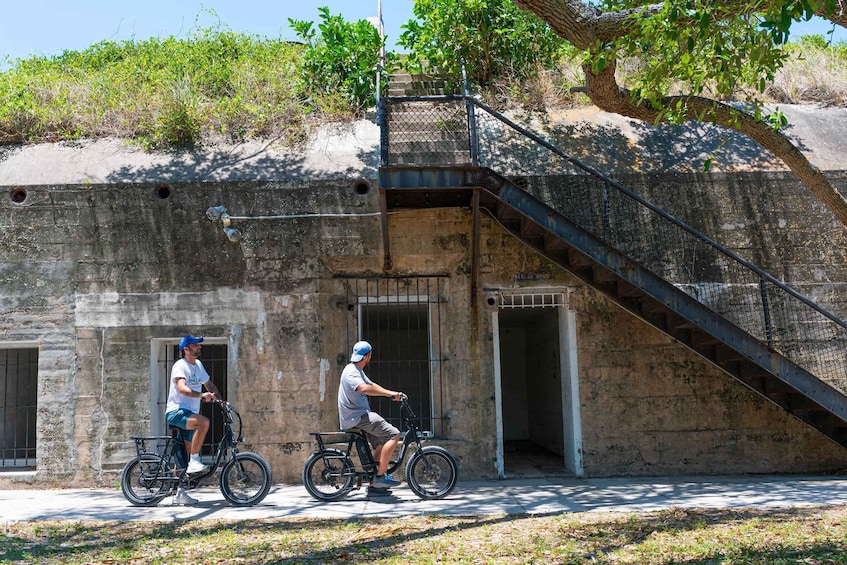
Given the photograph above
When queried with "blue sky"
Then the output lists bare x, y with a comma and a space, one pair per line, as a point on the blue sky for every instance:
48, 27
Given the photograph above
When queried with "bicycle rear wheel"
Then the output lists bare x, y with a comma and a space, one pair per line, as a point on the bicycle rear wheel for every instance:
143, 480
246, 479
328, 475
432, 472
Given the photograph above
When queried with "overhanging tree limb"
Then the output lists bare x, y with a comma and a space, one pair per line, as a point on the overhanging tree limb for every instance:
608, 96
591, 29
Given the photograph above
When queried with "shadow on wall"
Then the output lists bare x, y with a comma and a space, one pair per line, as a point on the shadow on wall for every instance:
226, 165
663, 148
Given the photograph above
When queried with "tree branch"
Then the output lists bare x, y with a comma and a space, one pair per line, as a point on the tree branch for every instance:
585, 26
604, 92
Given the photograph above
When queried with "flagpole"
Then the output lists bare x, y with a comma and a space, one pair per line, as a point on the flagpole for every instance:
381, 63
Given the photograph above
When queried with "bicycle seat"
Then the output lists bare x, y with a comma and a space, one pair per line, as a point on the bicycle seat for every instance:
177, 432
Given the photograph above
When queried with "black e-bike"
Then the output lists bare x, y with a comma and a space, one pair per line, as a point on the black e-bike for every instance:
330, 472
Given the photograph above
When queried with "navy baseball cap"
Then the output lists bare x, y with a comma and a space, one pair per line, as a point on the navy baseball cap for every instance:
188, 340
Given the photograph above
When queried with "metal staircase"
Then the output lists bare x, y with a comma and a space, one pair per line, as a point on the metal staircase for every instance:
750, 325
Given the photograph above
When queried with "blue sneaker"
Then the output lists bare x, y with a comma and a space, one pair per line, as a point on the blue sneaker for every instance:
385, 481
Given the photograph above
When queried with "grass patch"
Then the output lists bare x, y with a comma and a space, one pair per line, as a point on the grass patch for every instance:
215, 84
802, 535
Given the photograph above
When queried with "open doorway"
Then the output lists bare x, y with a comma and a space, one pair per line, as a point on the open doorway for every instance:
538, 409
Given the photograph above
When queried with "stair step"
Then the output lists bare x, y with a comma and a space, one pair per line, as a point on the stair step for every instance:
603, 275
403, 83
531, 229
431, 158
628, 290
553, 243
702, 339
429, 146
577, 259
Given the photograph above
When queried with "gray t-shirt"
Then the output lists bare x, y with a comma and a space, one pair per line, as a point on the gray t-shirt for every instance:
352, 404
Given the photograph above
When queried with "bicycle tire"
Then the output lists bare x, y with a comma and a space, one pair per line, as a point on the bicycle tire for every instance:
246, 479
432, 472
328, 475
142, 482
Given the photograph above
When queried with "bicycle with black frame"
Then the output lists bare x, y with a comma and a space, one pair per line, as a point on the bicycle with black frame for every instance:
330, 473
159, 467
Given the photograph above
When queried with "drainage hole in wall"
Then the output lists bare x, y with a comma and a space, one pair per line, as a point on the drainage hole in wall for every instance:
361, 187
18, 195
163, 191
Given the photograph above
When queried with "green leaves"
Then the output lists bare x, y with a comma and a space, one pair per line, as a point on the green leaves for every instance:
341, 60
160, 92
697, 48
494, 38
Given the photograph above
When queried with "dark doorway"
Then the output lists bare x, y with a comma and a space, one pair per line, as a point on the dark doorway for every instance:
531, 380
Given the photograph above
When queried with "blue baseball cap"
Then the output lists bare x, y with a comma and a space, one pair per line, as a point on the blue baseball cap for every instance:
188, 340
361, 349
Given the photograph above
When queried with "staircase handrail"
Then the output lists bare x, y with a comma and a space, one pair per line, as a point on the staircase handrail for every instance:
641, 200
732, 287
617, 185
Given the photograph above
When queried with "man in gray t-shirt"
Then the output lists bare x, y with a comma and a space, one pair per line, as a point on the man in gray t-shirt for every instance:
354, 411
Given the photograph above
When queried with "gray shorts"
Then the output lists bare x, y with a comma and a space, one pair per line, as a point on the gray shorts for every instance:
376, 429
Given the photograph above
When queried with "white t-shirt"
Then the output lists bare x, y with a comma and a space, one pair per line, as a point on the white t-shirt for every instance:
195, 377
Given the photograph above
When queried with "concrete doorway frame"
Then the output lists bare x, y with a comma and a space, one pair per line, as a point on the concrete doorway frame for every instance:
544, 298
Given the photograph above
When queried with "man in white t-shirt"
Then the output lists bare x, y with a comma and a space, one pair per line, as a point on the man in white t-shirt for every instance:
354, 411
188, 377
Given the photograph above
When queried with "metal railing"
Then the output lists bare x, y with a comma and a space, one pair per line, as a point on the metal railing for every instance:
712, 274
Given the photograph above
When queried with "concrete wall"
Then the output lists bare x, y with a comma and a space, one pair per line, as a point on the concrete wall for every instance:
97, 274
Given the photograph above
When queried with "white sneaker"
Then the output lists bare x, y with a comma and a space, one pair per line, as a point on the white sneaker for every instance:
182, 498
195, 466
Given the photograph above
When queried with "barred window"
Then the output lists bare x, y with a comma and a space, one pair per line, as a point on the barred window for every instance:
401, 318
18, 398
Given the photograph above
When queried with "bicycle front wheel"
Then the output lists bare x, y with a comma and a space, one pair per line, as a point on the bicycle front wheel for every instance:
143, 480
432, 472
246, 479
328, 475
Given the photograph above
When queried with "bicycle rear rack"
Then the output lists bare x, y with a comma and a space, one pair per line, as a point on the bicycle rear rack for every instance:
163, 446
152, 445
349, 438
333, 438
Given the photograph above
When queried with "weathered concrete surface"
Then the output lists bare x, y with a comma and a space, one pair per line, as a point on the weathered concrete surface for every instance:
608, 142
616, 145
132, 268
98, 264
336, 150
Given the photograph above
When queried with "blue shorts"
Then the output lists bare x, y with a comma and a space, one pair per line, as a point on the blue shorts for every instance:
179, 418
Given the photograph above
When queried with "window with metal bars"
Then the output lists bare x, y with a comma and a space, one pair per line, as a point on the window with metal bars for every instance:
214, 359
401, 318
18, 399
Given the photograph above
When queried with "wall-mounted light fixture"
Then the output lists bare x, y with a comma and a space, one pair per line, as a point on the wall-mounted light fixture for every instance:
216, 213
233, 234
